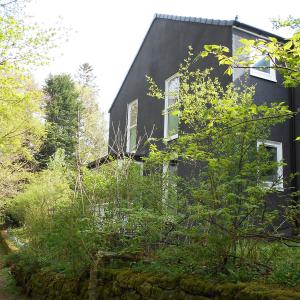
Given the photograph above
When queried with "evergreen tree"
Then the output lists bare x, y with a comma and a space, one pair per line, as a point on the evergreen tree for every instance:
92, 135
62, 108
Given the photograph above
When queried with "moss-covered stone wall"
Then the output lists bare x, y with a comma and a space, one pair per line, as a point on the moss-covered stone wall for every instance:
132, 285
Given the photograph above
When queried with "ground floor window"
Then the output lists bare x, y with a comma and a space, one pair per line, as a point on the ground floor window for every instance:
273, 173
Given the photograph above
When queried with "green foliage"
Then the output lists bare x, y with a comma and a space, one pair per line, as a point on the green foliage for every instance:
62, 109
47, 192
113, 209
216, 223
228, 210
23, 44
21, 129
22, 47
127, 207
290, 22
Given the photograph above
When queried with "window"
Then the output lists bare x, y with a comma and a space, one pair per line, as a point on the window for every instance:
262, 67
169, 181
132, 112
170, 169
171, 120
140, 165
273, 175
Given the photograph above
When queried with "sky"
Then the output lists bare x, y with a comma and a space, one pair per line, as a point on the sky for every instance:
107, 34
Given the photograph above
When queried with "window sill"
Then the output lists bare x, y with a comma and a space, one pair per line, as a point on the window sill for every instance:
278, 187
263, 75
131, 152
171, 138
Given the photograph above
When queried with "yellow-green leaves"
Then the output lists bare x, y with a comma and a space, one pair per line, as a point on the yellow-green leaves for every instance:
20, 114
23, 44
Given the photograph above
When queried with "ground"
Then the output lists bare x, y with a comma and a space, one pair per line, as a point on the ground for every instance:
8, 289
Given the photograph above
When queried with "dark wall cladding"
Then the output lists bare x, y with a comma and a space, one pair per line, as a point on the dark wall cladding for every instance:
267, 91
297, 133
164, 48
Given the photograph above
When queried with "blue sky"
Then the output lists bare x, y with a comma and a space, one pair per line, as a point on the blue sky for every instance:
99, 28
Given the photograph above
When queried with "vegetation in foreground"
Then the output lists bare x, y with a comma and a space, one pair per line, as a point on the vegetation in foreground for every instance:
217, 224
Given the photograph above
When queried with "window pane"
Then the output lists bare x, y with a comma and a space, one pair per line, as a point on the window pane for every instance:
171, 101
133, 113
173, 90
271, 173
174, 85
173, 121
263, 62
132, 139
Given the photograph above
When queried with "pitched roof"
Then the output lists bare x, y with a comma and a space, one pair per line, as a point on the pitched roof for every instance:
195, 20
218, 22
232, 23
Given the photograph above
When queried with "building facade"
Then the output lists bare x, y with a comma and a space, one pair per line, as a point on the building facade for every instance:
134, 116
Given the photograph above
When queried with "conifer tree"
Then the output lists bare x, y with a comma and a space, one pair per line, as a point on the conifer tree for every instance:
62, 107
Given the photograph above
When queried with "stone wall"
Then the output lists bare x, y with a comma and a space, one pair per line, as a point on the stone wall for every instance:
132, 285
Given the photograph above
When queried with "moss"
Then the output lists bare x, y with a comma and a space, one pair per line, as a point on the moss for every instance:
132, 285
105, 292
260, 292
145, 289
132, 295
156, 292
228, 291
168, 282
116, 289
130, 279
195, 286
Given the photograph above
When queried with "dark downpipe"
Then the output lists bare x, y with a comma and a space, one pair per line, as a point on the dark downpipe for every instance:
293, 154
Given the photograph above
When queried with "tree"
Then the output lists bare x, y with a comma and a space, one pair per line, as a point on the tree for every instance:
92, 136
227, 211
62, 107
22, 46
284, 55
21, 129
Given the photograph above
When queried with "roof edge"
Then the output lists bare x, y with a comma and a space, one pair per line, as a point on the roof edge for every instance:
195, 20
135, 57
258, 30
175, 18
231, 23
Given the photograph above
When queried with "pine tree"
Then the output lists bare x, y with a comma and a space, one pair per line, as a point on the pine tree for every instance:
62, 107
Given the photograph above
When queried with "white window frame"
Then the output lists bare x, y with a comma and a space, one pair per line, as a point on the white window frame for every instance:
257, 73
129, 105
166, 110
278, 146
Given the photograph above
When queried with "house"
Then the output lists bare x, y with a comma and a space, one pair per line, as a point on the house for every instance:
134, 115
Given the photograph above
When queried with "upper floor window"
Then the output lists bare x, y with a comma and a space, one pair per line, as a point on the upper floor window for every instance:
263, 67
273, 175
171, 120
132, 113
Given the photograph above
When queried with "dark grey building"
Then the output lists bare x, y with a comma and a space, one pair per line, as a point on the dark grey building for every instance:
134, 115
